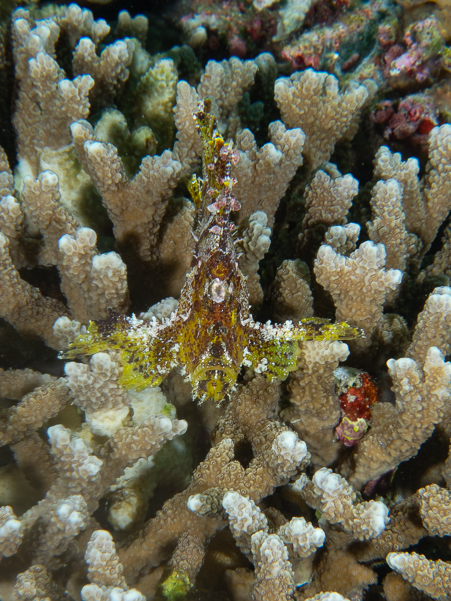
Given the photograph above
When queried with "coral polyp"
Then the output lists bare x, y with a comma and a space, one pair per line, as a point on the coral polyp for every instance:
212, 333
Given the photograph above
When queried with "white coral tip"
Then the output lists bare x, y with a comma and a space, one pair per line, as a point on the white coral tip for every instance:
77, 128
182, 427
64, 511
379, 517
91, 592
10, 527
327, 481
194, 503
94, 148
397, 561
318, 537
131, 595
59, 436
230, 500
287, 440
165, 424
300, 483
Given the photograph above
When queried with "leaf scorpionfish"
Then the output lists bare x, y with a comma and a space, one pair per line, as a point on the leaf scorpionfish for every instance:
212, 333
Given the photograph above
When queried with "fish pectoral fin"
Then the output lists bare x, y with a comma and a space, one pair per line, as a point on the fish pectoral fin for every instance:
273, 357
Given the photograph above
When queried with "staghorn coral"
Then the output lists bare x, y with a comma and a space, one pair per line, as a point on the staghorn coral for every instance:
37, 583
310, 100
434, 511
82, 453
424, 393
255, 242
33, 410
128, 201
388, 226
22, 305
105, 405
321, 211
105, 571
432, 577
314, 410
234, 75
432, 327
335, 498
292, 295
274, 165
41, 200
92, 283
364, 269
274, 576
423, 205
44, 93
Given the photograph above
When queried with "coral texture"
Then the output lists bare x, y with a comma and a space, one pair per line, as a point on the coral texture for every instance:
191, 246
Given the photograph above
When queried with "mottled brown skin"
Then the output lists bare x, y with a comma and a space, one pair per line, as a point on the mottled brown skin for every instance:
216, 299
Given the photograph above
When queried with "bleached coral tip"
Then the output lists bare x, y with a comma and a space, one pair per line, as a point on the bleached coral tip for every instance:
93, 147
10, 527
300, 483
58, 435
318, 537
182, 426
379, 517
77, 127
230, 499
91, 592
396, 560
194, 503
101, 537
132, 595
165, 424
327, 481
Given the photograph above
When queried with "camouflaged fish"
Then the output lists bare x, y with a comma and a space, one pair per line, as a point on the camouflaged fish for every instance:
212, 334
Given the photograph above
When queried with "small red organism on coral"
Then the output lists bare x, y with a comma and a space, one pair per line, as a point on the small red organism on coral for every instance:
383, 112
357, 400
357, 393
255, 29
351, 431
410, 119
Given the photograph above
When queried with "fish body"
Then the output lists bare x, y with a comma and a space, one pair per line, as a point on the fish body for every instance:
212, 333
